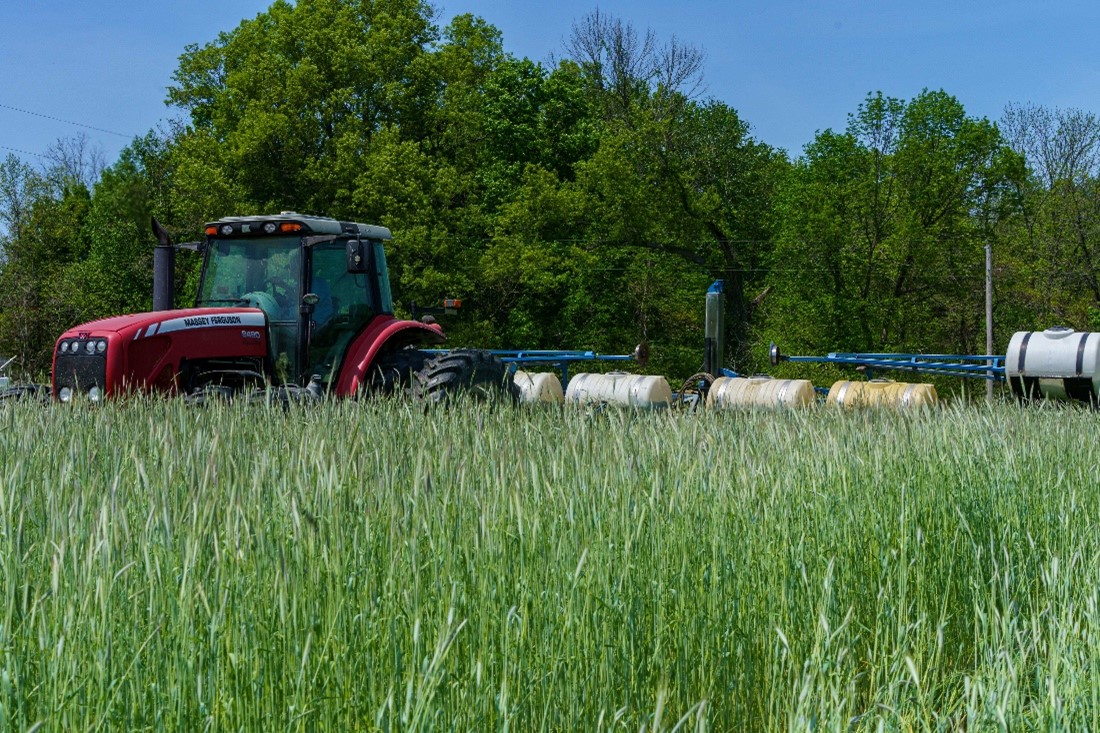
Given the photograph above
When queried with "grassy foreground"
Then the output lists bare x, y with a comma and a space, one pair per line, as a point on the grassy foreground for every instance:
370, 567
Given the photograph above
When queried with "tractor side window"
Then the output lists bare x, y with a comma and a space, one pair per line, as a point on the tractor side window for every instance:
342, 311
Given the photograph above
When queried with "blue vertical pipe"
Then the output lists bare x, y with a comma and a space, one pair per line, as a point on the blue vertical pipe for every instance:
714, 344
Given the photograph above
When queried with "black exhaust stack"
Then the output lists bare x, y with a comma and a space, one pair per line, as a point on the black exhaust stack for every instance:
164, 270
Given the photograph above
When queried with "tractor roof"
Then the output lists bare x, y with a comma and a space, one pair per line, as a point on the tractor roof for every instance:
310, 224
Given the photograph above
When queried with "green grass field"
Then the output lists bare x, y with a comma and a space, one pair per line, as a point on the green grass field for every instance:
373, 567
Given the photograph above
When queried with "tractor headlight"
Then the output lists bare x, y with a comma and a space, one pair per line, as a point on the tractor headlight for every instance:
89, 346
94, 394
64, 347
101, 346
65, 394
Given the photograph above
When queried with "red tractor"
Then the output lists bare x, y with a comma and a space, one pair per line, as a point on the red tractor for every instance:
290, 305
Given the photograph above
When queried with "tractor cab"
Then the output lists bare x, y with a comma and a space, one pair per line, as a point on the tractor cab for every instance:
318, 281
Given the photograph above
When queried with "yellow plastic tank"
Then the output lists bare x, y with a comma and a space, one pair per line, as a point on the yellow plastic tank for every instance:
619, 388
881, 393
539, 387
732, 392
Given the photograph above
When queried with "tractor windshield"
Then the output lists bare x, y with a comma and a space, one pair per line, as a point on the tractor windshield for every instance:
260, 273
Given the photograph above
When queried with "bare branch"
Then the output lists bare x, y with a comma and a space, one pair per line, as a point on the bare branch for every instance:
624, 62
1061, 145
74, 158
681, 68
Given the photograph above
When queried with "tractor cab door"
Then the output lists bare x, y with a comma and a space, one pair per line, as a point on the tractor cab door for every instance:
346, 304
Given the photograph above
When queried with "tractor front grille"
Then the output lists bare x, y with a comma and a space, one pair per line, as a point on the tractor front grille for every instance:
79, 372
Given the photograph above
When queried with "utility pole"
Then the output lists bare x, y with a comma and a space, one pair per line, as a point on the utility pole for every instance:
989, 317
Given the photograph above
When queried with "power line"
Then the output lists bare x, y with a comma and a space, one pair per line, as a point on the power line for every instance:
67, 122
21, 152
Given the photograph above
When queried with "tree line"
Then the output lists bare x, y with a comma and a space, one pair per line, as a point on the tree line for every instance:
583, 203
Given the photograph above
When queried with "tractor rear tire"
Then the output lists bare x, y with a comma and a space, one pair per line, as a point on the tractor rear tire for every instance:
473, 372
395, 372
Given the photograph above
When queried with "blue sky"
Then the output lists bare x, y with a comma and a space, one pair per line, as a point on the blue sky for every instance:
790, 67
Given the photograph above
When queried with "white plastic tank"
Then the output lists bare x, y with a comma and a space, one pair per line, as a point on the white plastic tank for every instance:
539, 387
727, 392
881, 393
619, 388
1058, 363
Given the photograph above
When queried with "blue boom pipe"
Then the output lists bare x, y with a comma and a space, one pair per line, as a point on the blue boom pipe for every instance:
561, 358
984, 366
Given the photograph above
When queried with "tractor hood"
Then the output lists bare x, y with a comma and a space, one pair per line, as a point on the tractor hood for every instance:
140, 325
148, 351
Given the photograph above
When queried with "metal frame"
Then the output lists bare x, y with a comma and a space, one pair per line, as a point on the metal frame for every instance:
559, 358
981, 366
5, 380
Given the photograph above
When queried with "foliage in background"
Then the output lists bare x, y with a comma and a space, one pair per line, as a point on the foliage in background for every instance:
583, 203
1052, 258
883, 228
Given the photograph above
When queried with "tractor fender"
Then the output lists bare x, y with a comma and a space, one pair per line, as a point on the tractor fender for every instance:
382, 333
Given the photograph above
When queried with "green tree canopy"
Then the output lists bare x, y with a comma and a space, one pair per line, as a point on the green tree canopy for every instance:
586, 203
882, 229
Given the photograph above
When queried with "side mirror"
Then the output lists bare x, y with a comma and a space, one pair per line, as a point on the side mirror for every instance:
309, 303
357, 257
